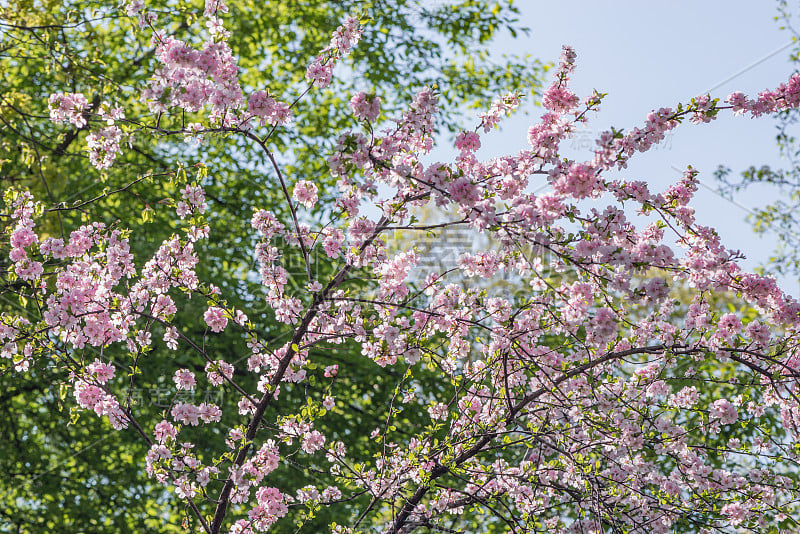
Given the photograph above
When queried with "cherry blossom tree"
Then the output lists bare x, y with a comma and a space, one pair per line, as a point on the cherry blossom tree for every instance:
592, 399
94, 48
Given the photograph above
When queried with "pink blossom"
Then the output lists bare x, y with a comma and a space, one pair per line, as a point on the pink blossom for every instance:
246, 407
184, 379
346, 36
103, 372
104, 146
267, 109
365, 106
332, 244
724, 411
313, 441
171, 338
209, 413
320, 73
468, 141
213, 7
270, 508
193, 201
217, 371
266, 223
111, 113
192, 79
185, 413
133, 7
558, 98
580, 181
164, 431
736, 513
438, 412
728, 327
68, 107
305, 192
215, 319
686, 397
503, 105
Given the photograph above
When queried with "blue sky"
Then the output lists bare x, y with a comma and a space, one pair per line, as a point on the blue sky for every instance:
646, 55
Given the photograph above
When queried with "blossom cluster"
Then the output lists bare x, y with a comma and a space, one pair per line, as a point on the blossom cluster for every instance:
346, 36
68, 107
365, 106
267, 109
191, 79
103, 144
